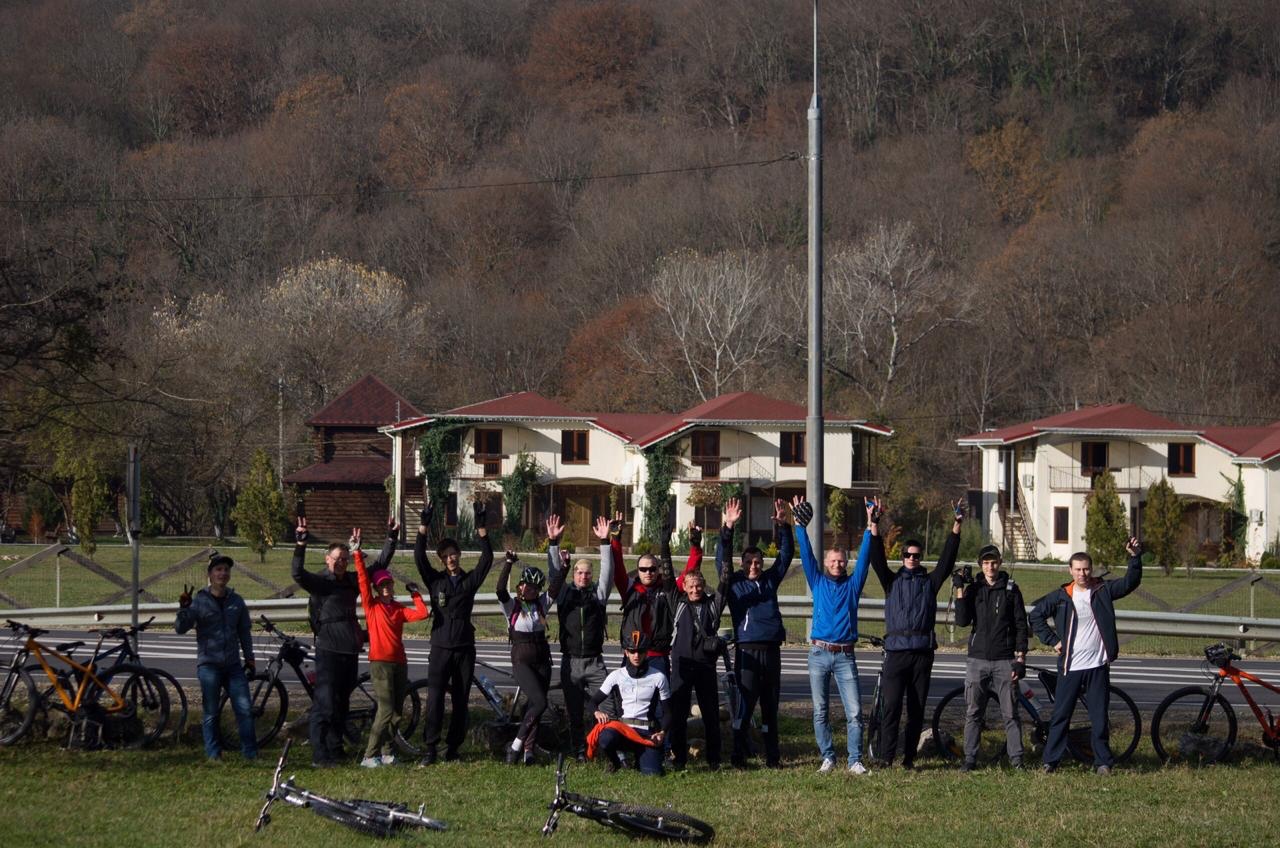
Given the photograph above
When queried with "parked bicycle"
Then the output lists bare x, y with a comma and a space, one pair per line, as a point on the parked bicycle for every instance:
124, 706
1123, 718
633, 819
376, 818
269, 699
1197, 725
125, 654
873, 721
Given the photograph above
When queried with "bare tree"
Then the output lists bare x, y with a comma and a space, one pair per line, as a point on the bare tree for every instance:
712, 306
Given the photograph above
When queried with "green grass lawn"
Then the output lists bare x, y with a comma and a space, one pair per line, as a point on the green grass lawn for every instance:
172, 797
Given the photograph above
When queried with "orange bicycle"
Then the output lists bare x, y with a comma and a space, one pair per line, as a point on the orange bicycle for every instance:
1196, 724
123, 706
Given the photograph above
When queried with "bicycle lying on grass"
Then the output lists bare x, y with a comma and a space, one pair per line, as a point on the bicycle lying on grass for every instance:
634, 819
1196, 724
123, 706
1123, 718
376, 818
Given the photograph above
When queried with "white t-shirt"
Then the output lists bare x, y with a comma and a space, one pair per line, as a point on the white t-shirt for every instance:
636, 693
1087, 650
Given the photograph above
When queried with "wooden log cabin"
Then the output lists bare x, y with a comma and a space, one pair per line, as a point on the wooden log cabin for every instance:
346, 485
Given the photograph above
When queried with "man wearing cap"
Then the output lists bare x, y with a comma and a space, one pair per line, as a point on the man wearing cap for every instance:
221, 619
452, 663
997, 651
835, 634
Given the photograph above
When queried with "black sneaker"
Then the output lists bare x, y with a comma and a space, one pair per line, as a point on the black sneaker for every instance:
1015, 764
451, 755
529, 759
612, 764
513, 755
428, 759
968, 765
1049, 768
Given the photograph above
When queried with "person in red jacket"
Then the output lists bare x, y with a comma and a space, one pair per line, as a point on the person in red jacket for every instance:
388, 666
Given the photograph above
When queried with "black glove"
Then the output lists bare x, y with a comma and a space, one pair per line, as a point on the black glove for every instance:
428, 512
615, 529
961, 578
695, 537
412, 588
667, 529
803, 513
1019, 670
250, 667
393, 529
512, 558
482, 514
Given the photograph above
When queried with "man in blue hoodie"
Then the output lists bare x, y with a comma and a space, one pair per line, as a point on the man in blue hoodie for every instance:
752, 595
834, 634
221, 620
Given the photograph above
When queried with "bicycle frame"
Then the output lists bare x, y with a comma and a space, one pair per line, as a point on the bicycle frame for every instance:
87, 676
1270, 731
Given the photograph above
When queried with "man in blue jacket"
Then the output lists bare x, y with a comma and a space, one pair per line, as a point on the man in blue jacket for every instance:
752, 595
221, 619
1084, 617
910, 613
834, 635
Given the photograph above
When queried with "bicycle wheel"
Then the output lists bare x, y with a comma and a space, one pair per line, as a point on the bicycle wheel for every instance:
654, 821
18, 704
268, 703
871, 735
178, 706
1193, 726
364, 707
948, 728
145, 714
349, 815
1124, 724
361, 712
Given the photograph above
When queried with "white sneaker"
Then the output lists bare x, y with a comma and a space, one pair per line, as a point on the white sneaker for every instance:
827, 766
371, 762
858, 768
388, 759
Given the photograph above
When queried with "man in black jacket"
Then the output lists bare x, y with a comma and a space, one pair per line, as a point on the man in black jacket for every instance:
580, 606
1084, 617
997, 651
338, 639
452, 663
910, 613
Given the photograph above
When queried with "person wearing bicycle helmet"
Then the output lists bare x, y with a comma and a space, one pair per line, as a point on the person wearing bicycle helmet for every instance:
388, 665
1083, 612
221, 619
635, 694
997, 651
580, 607
526, 614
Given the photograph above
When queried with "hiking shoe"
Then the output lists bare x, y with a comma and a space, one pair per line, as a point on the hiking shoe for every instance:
324, 763
428, 759
858, 768
612, 764
529, 759
968, 765
451, 755
513, 756
371, 762
388, 759
1015, 764
1104, 771
1049, 768
828, 765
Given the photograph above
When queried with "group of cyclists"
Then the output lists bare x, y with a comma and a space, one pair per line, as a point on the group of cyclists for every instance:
670, 636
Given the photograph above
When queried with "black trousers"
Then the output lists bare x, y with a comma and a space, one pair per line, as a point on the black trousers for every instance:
906, 674
336, 676
690, 678
759, 669
448, 670
531, 667
1097, 697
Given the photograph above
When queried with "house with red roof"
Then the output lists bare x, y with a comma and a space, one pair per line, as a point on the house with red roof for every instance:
1033, 477
345, 486
589, 461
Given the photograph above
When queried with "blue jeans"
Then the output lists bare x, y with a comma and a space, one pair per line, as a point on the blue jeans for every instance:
213, 679
648, 759
824, 665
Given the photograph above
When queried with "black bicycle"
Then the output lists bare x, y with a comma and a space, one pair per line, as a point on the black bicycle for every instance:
634, 819
1123, 718
269, 699
376, 818
873, 721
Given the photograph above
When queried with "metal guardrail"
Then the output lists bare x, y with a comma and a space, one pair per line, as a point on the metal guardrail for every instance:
1128, 622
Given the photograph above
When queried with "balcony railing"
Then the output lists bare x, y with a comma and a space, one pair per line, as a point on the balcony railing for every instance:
485, 466
1071, 478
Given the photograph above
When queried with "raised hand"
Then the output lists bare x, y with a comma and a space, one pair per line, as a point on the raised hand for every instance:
875, 509
512, 557
354, 542
184, 600
427, 512
779, 511
1133, 546
695, 535
300, 532
801, 510
555, 528
412, 588
601, 528
393, 528
958, 506
615, 526
482, 514
732, 512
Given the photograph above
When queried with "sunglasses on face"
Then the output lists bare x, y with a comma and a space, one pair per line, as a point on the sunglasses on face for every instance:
646, 570
911, 555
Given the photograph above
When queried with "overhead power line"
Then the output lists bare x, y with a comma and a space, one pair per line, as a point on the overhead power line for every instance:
428, 189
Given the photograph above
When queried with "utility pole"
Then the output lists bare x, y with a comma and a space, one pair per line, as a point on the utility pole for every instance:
280, 431
814, 424
133, 486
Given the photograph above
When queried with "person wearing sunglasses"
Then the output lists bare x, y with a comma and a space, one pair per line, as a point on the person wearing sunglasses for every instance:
910, 613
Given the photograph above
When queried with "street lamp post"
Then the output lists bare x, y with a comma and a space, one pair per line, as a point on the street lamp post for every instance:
813, 423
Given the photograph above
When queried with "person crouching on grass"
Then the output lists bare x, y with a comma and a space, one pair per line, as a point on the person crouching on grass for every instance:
634, 693
388, 666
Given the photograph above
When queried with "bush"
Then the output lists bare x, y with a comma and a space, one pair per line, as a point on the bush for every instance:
527, 541
644, 546
771, 549
1269, 561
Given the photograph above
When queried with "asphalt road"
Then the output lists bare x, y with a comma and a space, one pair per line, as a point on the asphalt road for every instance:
1146, 679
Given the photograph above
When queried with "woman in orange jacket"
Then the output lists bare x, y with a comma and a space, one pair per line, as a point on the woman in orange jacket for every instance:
388, 666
